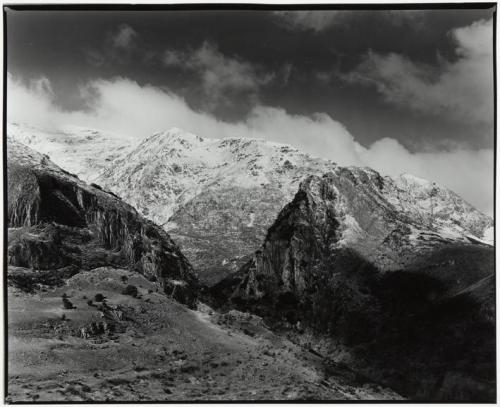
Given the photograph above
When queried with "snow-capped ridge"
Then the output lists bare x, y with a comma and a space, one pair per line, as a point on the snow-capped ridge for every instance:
174, 134
198, 186
79, 150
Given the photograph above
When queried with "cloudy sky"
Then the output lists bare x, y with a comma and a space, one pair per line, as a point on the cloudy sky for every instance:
396, 90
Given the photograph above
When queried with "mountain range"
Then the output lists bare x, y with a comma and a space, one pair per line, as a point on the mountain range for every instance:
390, 277
217, 197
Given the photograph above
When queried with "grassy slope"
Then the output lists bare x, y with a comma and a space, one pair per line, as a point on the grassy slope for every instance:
160, 350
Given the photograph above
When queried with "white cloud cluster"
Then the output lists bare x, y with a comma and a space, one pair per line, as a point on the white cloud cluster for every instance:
219, 73
461, 89
123, 106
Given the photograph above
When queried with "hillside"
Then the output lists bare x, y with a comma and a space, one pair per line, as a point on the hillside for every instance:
58, 222
409, 306
103, 306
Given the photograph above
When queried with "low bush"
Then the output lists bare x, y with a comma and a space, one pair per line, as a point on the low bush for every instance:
130, 290
67, 303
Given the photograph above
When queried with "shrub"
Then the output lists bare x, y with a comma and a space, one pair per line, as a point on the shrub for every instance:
90, 303
67, 303
98, 297
124, 279
130, 290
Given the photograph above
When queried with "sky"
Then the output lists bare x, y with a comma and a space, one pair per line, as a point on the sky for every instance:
396, 90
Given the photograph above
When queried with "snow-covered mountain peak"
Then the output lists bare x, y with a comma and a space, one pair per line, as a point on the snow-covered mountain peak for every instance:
80, 150
170, 168
174, 135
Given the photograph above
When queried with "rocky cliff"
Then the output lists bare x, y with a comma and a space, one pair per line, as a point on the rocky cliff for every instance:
57, 221
407, 300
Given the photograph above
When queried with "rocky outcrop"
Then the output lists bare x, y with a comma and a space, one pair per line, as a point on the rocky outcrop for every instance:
407, 302
332, 217
56, 220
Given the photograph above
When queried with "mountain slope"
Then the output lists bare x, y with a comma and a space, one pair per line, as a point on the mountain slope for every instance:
149, 348
407, 305
57, 221
217, 197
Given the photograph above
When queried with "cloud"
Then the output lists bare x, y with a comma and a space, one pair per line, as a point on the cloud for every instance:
321, 20
30, 102
219, 74
125, 107
461, 89
120, 45
226, 85
287, 72
310, 20
124, 37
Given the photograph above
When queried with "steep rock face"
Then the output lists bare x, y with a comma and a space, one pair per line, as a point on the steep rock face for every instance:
55, 220
410, 302
346, 210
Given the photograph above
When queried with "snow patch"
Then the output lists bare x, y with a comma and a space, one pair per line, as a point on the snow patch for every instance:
415, 180
252, 220
489, 235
